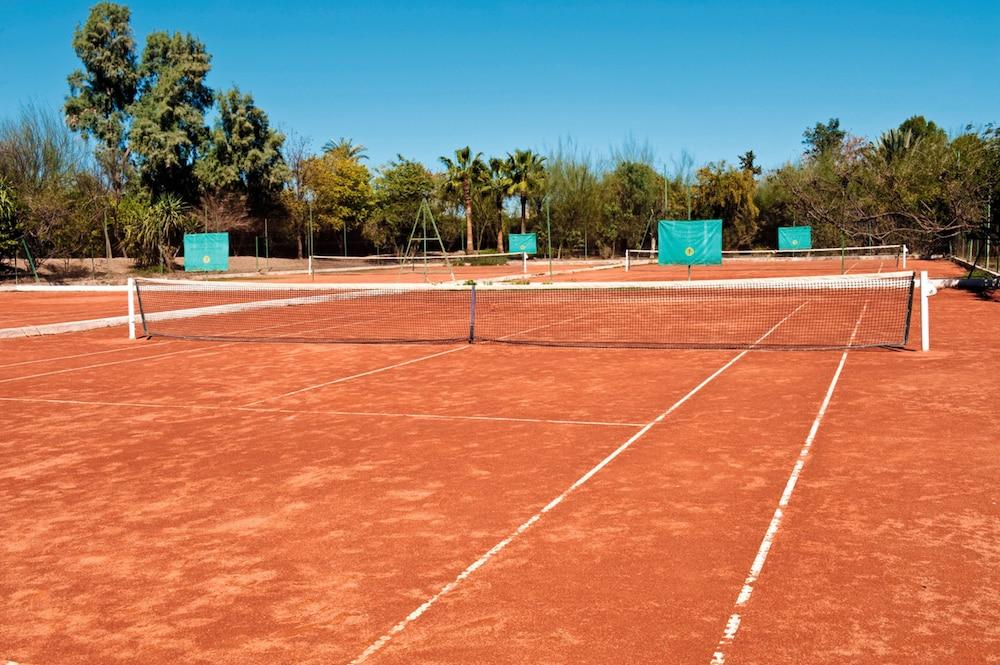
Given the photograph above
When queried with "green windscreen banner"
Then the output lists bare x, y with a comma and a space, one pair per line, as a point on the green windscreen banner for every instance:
794, 237
697, 242
525, 243
206, 251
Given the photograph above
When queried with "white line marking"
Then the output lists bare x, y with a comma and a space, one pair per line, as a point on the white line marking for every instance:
359, 375
114, 362
365, 414
733, 624
132, 346
527, 524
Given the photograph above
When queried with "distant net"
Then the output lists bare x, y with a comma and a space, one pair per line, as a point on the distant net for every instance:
432, 263
894, 256
895, 253
335, 264
798, 313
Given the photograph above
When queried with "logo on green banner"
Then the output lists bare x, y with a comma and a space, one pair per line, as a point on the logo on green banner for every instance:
695, 242
794, 237
206, 251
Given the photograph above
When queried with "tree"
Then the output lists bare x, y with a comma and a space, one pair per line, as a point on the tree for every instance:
45, 165
399, 189
244, 154
496, 188
919, 127
748, 162
345, 149
462, 175
824, 139
295, 195
527, 178
574, 197
9, 228
169, 117
342, 189
153, 230
632, 194
728, 194
101, 93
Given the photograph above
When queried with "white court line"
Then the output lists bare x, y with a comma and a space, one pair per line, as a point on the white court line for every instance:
527, 524
401, 364
366, 414
130, 346
114, 362
358, 376
733, 624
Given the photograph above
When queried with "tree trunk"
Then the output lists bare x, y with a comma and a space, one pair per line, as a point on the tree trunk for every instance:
298, 243
469, 241
107, 239
524, 211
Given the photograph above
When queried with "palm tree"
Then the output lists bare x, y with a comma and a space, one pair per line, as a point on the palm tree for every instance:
527, 176
346, 149
497, 188
466, 172
895, 143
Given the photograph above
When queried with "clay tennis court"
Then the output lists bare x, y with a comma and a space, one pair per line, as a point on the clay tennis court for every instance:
167, 500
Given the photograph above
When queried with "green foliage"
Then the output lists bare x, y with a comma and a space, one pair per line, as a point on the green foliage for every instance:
342, 189
495, 191
748, 162
399, 188
920, 128
169, 117
45, 171
154, 230
526, 171
10, 230
244, 153
632, 196
345, 148
574, 191
101, 93
777, 208
824, 139
728, 194
463, 175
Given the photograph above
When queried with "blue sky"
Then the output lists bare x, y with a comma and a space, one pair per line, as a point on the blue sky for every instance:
422, 78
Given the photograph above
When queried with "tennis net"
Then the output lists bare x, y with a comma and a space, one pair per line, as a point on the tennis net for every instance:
895, 254
848, 311
414, 263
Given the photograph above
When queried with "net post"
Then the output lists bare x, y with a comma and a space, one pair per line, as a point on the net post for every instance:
131, 308
905, 250
472, 314
524, 263
628, 256
310, 268
925, 293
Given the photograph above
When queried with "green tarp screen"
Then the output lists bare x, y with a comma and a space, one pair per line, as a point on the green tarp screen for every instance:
697, 242
206, 251
525, 243
794, 237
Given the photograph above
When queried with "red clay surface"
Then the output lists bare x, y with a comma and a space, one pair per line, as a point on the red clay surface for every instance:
171, 501
24, 308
